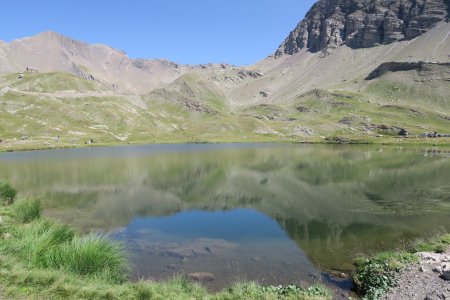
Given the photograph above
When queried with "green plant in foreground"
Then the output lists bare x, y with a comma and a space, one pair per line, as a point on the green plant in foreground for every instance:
251, 290
7, 193
50, 245
375, 276
27, 210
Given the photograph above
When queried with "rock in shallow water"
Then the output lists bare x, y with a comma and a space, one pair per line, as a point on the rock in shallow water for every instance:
201, 276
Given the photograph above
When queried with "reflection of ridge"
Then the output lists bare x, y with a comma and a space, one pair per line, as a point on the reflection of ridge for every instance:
333, 247
334, 202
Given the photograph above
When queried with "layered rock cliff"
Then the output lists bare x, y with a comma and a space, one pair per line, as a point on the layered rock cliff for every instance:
363, 23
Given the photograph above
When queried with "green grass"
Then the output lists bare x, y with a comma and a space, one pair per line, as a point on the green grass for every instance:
93, 254
7, 193
255, 291
27, 210
438, 244
49, 82
113, 120
47, 244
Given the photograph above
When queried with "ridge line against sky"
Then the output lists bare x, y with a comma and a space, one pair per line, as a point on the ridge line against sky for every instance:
239, 32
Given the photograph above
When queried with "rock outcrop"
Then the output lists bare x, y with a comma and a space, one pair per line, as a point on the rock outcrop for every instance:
363, 23
404, 66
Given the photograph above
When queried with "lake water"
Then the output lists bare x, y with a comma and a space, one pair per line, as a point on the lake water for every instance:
276, 214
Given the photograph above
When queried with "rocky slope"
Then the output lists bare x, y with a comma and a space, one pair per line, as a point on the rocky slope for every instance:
50, 52
363, 23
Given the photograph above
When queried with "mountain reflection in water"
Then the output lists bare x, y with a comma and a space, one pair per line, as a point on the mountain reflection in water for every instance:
273, 213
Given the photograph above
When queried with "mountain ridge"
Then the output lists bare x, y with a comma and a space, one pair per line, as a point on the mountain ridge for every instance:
363, 24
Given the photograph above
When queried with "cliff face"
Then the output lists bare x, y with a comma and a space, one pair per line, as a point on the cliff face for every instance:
363, 23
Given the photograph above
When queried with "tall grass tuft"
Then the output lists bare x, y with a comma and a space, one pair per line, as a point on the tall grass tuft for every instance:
91, 255
7, 193
50, 245
33, 242
27, 210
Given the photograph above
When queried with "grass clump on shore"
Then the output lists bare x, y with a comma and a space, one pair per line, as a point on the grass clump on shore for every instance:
437, 244
42, 243
93, 254
27, 210
7, 193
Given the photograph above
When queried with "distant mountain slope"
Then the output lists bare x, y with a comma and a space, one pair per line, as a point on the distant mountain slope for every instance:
343, 68
50, 52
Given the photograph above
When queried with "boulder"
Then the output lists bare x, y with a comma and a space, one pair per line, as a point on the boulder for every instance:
445, 271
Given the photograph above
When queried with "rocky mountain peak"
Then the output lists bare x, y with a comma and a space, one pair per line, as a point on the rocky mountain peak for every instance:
363, 23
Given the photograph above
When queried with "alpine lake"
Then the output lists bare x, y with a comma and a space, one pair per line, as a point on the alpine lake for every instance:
271, 213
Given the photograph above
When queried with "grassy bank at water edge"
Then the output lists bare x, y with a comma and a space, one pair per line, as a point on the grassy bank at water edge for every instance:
43, 259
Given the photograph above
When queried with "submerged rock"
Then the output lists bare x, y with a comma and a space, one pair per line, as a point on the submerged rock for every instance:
203, 246
201, 276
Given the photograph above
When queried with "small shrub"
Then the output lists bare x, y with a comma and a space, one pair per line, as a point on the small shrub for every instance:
7, 193
27, 210
375, 276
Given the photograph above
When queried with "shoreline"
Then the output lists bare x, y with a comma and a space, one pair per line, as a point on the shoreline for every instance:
394, 141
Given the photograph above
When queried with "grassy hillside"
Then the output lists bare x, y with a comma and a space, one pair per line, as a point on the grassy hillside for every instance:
39, 108
47, 82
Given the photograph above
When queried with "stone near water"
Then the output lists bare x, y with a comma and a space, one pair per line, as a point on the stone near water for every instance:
445, 271
185, 260
201, 276
437, 269
202, 246
428, 256
181, 252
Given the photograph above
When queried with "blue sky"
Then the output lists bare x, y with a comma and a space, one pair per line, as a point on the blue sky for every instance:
185, 31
